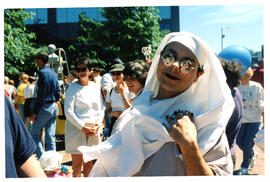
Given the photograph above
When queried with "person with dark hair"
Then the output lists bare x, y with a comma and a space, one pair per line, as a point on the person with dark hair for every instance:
84, 110
232, 71
19, 147
135, 73
176, 126
119, 98
44, 114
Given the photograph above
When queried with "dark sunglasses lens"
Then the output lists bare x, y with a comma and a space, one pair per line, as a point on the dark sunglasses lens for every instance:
81, 69
117, 73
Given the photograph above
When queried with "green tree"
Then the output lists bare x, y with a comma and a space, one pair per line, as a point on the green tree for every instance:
18, 47
123, 34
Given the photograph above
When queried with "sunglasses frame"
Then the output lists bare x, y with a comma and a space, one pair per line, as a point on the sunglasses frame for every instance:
78, 70
170, 60
118, 73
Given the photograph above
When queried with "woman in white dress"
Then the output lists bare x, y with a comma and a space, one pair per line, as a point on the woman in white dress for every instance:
84, 110
176, 126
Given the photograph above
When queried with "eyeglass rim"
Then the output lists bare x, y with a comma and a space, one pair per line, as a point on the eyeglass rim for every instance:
80, 69
119, 72
180, 61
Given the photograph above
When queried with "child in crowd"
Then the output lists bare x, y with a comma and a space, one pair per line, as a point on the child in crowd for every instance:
50, 161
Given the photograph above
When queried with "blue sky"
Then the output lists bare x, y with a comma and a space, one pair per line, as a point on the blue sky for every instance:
241, 24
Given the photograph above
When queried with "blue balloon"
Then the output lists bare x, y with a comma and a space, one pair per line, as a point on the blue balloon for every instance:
239, 54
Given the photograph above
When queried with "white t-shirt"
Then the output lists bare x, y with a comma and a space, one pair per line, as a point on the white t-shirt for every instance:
107, 82
116, 100
253, 104
29, 91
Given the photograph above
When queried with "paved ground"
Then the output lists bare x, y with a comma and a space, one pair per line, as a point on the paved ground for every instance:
257, 170
259, 163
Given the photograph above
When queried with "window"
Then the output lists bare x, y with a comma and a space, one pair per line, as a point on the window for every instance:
165, 11
69, 15
165, 26
40, 17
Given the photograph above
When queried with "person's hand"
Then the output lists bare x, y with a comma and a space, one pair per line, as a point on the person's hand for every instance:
183, 132
115, 114
122, 87
90, 129
32, 118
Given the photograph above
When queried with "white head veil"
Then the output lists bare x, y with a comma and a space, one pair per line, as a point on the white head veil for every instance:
139, 132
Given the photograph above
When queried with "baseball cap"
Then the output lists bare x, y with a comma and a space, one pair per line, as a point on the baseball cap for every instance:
117, 67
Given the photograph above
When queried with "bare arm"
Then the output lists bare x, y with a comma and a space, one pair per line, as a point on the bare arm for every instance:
31, 168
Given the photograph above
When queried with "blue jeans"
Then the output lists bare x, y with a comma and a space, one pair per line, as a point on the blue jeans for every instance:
21, 109
46, 117
245, 141
107, 127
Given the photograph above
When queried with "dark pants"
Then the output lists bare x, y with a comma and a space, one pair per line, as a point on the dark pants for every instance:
113, 119
245, 140
29, 107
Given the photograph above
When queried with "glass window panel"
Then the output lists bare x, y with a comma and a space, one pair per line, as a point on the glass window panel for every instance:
61, 15
73, 14
90, 13
165, 11
40, 17
165, 26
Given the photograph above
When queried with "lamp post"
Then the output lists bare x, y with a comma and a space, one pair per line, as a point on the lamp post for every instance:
222, 36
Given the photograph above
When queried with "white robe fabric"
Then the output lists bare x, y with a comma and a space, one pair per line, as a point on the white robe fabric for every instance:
139, 132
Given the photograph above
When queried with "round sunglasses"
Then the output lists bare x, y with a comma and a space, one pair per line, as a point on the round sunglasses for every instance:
186, 64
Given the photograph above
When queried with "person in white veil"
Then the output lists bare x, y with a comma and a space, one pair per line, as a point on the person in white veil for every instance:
149, 139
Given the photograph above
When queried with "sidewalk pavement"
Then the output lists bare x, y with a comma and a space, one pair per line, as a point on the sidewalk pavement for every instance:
259, 163
257, 170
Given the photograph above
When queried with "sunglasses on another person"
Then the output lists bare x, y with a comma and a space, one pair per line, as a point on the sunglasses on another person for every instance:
116, 73
186, 64
80, 69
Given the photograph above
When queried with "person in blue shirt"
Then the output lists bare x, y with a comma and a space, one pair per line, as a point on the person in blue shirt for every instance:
48, 92
19, 147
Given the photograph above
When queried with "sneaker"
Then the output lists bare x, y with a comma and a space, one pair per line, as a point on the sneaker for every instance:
241, 171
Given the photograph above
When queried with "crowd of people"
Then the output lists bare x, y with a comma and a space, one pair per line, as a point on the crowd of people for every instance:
181, 114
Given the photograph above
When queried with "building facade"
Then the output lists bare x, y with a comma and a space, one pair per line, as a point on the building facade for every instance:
61, 25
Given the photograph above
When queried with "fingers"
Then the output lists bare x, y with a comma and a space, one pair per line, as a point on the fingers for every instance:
176, 118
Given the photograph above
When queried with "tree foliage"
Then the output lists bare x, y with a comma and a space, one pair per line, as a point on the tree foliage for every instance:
123, 34
18, 47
